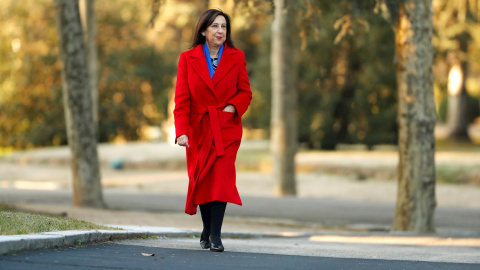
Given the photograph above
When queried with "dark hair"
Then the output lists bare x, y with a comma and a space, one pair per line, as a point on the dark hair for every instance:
205, 20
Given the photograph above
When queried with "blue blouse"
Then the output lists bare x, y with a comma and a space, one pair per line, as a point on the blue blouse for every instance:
212, 63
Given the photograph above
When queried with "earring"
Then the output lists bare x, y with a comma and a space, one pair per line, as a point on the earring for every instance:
203, 34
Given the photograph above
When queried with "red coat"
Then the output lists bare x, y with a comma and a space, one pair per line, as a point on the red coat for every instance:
213, 135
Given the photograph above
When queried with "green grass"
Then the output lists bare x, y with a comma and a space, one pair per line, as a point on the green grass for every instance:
260, 160
445, 174
13, 222
469, 175
253, 160
450, 145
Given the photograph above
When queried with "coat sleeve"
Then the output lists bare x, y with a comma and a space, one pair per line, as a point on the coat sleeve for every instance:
181, 112
242, 99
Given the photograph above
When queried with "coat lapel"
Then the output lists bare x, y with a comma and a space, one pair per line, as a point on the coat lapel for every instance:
200, 66
226, 63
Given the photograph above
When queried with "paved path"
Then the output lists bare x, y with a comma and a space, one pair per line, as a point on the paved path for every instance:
324, 211
263, 253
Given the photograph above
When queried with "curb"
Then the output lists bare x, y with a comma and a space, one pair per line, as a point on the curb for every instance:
15, 243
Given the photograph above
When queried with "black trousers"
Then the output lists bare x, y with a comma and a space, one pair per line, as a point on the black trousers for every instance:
212, 218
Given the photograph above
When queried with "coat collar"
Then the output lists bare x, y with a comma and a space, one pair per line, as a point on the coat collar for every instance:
200, 65
226, 63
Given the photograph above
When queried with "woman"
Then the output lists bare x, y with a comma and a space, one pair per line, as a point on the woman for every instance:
211, 95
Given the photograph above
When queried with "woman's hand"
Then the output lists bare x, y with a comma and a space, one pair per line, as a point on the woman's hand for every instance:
230, 108
182, 140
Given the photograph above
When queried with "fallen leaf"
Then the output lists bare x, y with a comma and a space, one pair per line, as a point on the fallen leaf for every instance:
148, 254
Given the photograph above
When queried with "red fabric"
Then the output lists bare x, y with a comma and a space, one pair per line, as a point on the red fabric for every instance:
213, 135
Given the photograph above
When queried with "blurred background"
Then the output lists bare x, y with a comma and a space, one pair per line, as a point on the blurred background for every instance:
346, 84
340, 102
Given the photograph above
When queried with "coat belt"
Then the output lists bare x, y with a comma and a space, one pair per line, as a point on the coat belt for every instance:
214, 123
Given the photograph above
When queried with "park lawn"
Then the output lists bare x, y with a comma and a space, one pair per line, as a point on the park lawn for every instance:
15, 222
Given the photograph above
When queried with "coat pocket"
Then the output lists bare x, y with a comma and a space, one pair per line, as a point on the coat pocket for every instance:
231, 126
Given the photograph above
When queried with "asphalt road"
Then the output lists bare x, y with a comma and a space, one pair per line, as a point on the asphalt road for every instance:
329, 212
115, 255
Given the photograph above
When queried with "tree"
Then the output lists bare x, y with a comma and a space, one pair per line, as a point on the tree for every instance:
90, 25
87, 190
284, 98
128, 59
413, 26
457, 96
416, 117
456, 23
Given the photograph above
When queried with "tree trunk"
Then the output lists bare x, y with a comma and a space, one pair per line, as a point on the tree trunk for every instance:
82, 139
335, 130
90, 25
284, 99
416, 118
457, 100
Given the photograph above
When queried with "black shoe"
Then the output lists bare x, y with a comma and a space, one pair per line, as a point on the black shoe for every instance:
215, 248
205, 244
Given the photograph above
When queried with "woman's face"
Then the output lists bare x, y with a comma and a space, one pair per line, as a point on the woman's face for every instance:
216, 33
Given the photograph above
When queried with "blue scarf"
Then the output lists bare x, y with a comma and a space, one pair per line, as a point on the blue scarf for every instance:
206, 52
